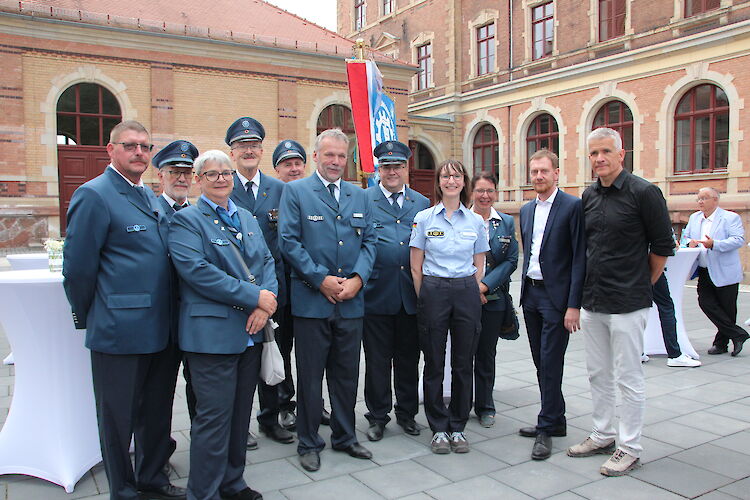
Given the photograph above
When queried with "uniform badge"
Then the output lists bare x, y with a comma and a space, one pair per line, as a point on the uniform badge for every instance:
245, 123
216, 221
315, 218
273, 216
220, 242
288, 145
135, 228
183, 147
435, 234
358, 215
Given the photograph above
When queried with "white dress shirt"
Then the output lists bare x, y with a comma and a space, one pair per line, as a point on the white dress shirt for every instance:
326, 183
255, 180
387, 194
707, 224
541, 214
140, 181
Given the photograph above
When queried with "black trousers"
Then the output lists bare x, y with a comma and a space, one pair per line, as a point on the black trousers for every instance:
391, 341
331, 346
548, 340
448, 304
134, 394
719, 304
484, 362
224, 385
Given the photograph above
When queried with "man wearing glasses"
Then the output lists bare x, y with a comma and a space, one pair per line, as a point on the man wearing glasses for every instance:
260, 194
390, 328
118, 280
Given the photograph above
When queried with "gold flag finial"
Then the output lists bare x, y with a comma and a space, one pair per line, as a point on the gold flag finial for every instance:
359, 49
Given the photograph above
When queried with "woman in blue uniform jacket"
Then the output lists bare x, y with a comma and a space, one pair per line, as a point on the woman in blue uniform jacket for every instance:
500, 262
228, 291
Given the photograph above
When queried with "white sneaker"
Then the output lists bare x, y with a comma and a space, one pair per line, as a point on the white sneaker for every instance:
644, 358
747, 321
683, 360
619, 464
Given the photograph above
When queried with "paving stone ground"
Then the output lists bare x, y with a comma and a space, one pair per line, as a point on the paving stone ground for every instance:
696, 440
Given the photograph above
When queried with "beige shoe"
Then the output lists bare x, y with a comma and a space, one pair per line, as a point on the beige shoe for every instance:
589, 448
619, 464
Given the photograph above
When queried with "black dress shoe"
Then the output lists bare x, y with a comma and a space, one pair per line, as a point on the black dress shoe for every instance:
288, 420
310, 461
737, 346
325, 418
409, 426
531, 432
246, 494
542, 447
375, 431
277, 433
252, 441
356, 450
719, 350
168, 491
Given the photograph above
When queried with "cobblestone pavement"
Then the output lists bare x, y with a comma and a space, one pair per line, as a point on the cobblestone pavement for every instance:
696, 440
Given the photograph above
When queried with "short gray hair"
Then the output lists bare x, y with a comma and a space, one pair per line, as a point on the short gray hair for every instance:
605, 133
713, 191
333, 133
212, 155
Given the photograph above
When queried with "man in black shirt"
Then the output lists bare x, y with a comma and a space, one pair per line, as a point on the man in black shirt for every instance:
628, 240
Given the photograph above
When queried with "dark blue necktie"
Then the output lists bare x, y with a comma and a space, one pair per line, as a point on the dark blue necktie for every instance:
332, 190
249, 189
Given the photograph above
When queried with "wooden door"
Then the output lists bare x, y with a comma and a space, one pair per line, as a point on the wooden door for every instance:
76, 165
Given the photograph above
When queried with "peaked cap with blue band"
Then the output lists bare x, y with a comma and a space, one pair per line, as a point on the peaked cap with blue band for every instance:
178, 153
245, 129
288, 149
392, 152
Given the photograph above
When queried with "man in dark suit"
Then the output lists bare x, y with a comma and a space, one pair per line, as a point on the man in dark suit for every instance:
260, 194
326, 235
227, 291
390, 328
119, 284
175, 164
554, 263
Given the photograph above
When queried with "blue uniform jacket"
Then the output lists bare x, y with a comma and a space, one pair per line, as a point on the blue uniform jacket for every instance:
319, 239
504, 250
391, 285
266, 213
116, 268
216, 295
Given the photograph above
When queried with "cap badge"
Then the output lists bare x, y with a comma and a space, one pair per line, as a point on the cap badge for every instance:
245, 123
389, 146
183, 147
288, 145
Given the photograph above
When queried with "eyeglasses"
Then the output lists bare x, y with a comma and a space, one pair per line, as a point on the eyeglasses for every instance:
213, 175
485, 191
247, 146
455, 177
176, 174
705, 198
132, 146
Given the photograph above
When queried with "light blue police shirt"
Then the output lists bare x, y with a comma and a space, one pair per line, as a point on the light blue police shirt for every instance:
449, 244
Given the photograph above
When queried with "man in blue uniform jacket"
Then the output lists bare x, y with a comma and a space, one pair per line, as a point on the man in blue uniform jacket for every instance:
260, 194
390, 327
554, 267
326, 234
119, 285
227, 293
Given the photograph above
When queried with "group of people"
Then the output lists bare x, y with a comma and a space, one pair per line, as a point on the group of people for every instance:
161, 281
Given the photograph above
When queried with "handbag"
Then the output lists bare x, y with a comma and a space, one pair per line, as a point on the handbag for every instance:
271, 362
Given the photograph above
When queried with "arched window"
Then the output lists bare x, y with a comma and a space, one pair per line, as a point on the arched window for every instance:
617, 116
338, 116
86, 113
485, 148
542, 134
701, 130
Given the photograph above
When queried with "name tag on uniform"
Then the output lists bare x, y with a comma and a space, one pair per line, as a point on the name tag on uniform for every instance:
315, 218
435, 234
468, 234
220, 242
504, 239
135, 228
358, 215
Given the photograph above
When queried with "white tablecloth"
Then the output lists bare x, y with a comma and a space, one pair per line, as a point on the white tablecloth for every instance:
678, 272
19, 262
51, 430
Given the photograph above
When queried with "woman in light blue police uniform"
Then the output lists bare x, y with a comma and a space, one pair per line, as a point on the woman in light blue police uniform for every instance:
227, 293
448, 246
500, 262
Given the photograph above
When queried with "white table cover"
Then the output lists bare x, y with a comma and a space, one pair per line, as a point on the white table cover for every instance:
678, 272
19, 262
51, 430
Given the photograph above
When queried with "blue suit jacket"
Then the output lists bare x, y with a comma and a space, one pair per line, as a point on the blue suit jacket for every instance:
116, 268
319, 239
504, 250
563, 253
391, 285
724, 265
216, 295
269, 198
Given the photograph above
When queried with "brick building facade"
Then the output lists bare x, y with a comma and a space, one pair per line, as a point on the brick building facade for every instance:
498, 80
71, 69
